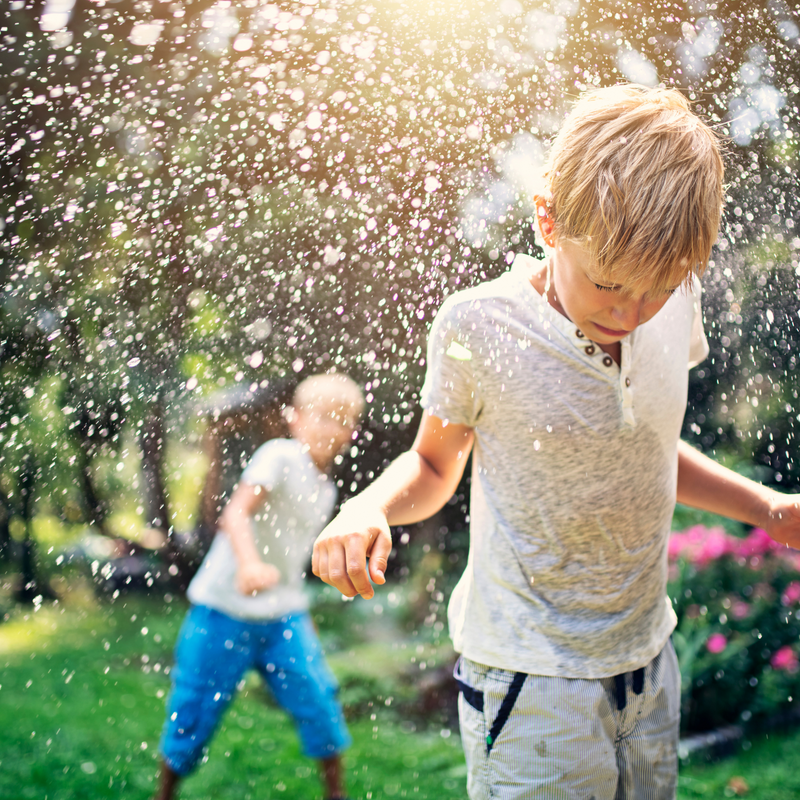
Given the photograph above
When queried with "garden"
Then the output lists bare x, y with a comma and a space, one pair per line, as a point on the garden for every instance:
205, 202
85, 677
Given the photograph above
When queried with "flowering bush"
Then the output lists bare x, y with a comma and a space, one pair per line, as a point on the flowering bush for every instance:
738, 635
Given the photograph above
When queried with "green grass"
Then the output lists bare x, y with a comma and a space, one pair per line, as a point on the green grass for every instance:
769, 765
82, 694
83, 687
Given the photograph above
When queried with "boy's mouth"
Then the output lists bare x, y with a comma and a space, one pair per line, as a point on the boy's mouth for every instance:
610, 331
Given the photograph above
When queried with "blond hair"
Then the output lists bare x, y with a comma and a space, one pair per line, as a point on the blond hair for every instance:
330, 391
636, 178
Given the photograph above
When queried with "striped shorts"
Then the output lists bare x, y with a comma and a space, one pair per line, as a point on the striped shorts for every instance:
531, 737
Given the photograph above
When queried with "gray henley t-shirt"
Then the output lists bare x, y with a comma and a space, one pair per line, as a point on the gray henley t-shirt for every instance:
573, 480
299, 503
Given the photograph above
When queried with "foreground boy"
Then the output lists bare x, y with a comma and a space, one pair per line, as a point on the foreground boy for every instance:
567, 379
248, 605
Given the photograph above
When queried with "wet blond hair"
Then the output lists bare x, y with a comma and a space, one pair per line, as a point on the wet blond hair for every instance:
330, 392
636, 179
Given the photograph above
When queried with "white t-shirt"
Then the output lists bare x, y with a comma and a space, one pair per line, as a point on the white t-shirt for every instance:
300, 500
574, 476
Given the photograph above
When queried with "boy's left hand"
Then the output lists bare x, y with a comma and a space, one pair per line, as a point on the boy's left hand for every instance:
783, 520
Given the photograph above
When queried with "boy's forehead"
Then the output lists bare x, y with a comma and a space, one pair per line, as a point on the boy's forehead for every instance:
330, 406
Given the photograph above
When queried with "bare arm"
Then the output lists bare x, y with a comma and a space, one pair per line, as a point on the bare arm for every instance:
415, 486
252, 574
702, 483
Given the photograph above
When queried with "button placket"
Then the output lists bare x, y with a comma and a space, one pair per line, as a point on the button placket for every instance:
589, 347
625, 385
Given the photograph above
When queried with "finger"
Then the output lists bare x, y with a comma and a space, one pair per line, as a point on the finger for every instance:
379, 557
338, 573
355, 548
315, 559
321, 553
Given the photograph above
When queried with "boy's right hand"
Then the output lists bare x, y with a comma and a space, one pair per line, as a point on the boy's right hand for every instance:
255, 577
360, 531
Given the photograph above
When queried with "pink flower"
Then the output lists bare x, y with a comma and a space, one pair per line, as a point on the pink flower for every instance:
716, 544
740, 609
716, 643
785, 659
757, 543
791, 594
700, 545
675, 546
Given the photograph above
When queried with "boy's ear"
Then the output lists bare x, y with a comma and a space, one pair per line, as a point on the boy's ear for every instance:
547, 225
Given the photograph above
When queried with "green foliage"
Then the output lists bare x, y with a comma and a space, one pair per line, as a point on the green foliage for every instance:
210, 194
738, 627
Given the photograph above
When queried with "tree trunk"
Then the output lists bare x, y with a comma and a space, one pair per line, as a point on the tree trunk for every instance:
210, 501
95, 508
152, 441
5, 530
29, 586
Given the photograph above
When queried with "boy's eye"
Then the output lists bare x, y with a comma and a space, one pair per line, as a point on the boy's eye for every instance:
605, 288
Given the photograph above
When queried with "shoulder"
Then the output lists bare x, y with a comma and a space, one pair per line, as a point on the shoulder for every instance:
476, 304
271, 458
274, 448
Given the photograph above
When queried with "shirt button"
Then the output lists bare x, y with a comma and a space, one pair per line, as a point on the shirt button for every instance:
579, 333
627, 381
589, 350
608, 361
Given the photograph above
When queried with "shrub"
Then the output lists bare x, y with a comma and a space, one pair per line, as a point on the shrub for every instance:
738, 633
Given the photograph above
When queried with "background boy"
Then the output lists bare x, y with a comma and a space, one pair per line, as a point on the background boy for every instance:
567, 378
249, 609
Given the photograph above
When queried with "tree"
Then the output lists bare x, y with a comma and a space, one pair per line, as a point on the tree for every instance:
199, 194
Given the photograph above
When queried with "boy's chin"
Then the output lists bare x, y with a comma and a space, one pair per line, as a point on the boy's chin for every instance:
322, 454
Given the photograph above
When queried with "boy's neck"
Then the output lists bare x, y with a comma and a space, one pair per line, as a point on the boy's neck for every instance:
539, 282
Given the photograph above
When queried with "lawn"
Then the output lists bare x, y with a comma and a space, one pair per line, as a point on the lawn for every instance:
82, 693
83, 685
764, 768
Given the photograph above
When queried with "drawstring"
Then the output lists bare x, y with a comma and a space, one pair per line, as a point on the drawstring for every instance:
637, 686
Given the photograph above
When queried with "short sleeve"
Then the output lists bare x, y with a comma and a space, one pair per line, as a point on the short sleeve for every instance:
449, 391
266, 467
698, 347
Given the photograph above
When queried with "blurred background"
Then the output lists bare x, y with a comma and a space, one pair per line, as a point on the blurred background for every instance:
204, 202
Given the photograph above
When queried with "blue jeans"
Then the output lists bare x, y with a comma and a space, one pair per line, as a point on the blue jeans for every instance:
212, 654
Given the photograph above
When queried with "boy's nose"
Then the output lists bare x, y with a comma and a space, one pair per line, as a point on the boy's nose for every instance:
628, 313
